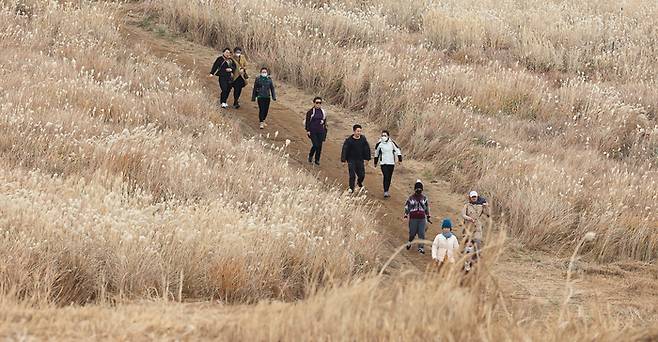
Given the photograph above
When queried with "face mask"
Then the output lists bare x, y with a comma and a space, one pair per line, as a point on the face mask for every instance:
237, 54
447, 235
385, 139
419, 191
264, 74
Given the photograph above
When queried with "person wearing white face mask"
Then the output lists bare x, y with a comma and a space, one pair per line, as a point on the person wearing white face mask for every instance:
386, 152
263, 88
239, 75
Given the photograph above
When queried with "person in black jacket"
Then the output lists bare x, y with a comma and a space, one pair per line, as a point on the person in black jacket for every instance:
224, 67
263, 88
355, 151
316, 129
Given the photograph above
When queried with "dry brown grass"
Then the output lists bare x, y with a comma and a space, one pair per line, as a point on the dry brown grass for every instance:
119, 181
562, 152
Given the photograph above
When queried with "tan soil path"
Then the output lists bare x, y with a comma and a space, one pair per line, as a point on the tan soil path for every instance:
533, 281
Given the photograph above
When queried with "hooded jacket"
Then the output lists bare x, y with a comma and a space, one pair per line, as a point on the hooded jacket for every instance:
386, 152
263, 87
442, 247
219, 68
241, 63
316, 123
355, 149
474, 211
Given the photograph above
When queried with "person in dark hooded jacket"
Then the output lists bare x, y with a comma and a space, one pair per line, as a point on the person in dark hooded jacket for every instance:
355, 151
224, 67
316, 129
263, 92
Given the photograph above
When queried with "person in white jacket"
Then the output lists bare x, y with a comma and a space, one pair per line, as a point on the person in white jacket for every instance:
386, 152
446, 245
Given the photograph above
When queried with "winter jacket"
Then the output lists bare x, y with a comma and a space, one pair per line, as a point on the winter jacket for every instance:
241, 64
221, 65
474, 211
355, 149
386, 152
442, 247
263, 87
417, 207
316, 123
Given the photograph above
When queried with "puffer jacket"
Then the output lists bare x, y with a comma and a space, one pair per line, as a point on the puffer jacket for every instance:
263, 88
442, 247
386, 152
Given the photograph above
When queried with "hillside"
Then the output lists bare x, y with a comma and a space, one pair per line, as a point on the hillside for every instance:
121, 196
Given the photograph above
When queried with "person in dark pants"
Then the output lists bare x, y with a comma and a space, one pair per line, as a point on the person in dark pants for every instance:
263, 89
239, 76
355, 151
386, 152
417, 210
224, 67
316, 129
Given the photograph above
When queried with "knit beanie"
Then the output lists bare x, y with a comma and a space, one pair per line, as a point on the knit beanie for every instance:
418, 185
446, 224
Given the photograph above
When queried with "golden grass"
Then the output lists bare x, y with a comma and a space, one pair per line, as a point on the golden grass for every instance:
562, 152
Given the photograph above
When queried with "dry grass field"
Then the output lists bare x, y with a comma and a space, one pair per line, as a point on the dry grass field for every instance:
131, 208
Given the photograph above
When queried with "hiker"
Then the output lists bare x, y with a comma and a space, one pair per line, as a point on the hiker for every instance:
239, 76
355, 151
445, 245
386, 151
224, 67
263, 89
417, 210
471, 214
316, 129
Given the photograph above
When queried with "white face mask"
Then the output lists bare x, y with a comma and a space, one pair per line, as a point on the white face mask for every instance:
237, 54
385, 139
264, 74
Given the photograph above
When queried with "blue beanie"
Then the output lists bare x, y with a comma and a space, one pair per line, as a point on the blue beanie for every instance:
446, 223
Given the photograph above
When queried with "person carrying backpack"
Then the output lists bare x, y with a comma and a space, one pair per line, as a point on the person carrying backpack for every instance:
239, 76
386, 152
224, 67
473, 210
445, 245
417, 210
263, 88
355, 151
316, 129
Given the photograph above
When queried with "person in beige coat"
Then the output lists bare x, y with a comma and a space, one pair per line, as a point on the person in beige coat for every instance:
472, 214
445, 246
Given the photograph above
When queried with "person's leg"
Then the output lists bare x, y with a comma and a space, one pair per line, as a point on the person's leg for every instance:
387, 172
318, 146
266, 103
360, 172
421, 233
413, 230
314, 147
237, 90
261, 109
225, 85
351, 168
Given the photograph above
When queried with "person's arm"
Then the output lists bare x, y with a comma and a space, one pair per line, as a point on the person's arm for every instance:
427, 209
407, 209
307, 122
254, 92
378, 152
398, 151
368, 154
215, 67
455, 244
464, 216
435, 248
343, 154
272, 89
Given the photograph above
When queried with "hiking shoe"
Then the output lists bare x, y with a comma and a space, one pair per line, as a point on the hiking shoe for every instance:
386, 194
421, 250
261, 125
236, 106
408, 245
310, 159
224, 105
317, 163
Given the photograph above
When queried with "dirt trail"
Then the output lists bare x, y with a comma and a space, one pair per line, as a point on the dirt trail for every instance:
533, 281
